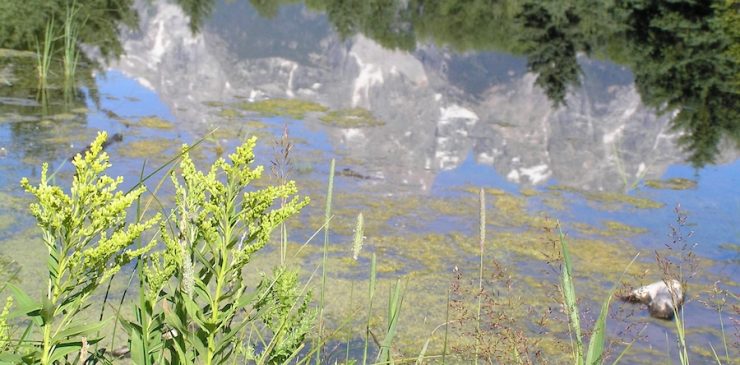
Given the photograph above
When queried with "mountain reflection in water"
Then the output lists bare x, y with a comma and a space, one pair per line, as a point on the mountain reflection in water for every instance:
506, 105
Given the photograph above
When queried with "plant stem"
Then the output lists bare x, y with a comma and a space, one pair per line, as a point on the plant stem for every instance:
482, 243
327, 217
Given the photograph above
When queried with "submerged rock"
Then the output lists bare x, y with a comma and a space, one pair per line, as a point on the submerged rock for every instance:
662, 301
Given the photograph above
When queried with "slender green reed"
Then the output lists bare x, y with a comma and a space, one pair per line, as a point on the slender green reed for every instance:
395, 301
327, 217
482, 244
371, 297
683, 353
71, 54
571, 307
349, 320
447, 327
44, 54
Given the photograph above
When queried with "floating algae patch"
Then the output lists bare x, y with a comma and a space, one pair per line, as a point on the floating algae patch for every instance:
351, 118
6, 220
148, 148
731, 247
554, 201
63, 116
81, 110
611, 229
292, 108
611, 200
213, 104
14, 202
378, 212
10, 270
618, 228
255, 124
156, 123
432, 252
590, 256
671, 184
229, 113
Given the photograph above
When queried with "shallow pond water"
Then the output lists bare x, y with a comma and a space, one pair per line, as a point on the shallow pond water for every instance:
416, 134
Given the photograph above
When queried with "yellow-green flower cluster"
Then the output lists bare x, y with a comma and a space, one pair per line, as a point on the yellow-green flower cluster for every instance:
86, 231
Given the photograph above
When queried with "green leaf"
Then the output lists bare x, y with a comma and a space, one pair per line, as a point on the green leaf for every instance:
78, 330
569, 292
25, 305
595, 354
64, 349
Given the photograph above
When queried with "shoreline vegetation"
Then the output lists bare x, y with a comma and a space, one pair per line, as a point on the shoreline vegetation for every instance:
190, 302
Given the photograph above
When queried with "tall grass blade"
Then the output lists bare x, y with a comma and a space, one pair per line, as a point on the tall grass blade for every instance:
569, 292
683, 353
71, 33
371, 296
724, 336
44, 53
447, 327
482, 243
395, 301
716, 358
349, 318
327, 217
595, 352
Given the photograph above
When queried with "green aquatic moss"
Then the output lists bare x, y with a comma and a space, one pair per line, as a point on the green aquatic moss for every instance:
213, 104
728, 246
351, 118
611, 200
147, 148
292, 108
611, 229
671, 184
621, 228
6, 220
81, 110
229, 113
156, 123
63, 116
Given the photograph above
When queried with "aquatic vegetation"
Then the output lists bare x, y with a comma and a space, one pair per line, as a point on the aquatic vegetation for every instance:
44, 54
500, 312
351, 118
611, 229
71, 52
229, 113
292, 108
156, 123
672, 184
610, 200
146, 148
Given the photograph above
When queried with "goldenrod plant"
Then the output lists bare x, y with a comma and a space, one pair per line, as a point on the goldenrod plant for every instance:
219, 225
88, 240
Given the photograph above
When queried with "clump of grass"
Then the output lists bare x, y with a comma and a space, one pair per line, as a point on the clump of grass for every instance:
71, 55
44, 54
